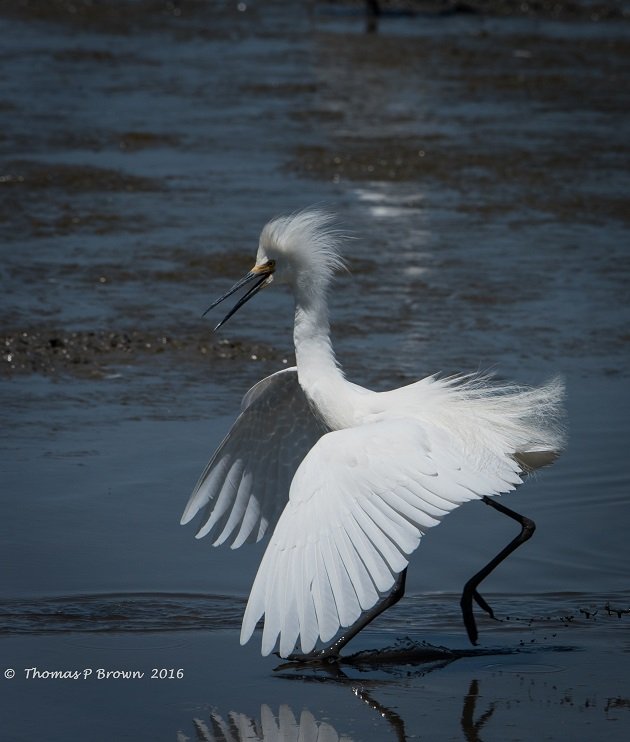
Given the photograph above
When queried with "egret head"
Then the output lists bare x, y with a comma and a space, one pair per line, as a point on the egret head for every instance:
300, 250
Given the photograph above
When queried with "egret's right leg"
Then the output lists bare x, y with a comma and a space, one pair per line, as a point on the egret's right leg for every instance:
470, 588
331, 652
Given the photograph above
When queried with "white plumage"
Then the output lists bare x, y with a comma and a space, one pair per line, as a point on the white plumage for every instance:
347, 478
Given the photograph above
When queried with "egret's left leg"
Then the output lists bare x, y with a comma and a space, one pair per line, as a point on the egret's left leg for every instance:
332, 651
470, 589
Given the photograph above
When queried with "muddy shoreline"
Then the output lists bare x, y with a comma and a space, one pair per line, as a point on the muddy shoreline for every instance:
96, 354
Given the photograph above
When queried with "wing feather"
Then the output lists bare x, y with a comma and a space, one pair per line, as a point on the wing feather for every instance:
245, 487
358, 506
327, 622
402, 532
376, 566
345, 598
382, 542
278, 576
251, 519
350, 595
357, 572
239, 504
220, 513
290, 630
401, 503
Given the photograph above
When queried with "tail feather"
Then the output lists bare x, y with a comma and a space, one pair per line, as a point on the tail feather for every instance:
528, 421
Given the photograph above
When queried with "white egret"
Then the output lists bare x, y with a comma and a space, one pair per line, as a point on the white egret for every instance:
349, 479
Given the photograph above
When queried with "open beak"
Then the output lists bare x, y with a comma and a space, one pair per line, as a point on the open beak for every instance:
260, 274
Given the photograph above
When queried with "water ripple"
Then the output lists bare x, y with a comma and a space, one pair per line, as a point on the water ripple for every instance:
120, 612
157, 612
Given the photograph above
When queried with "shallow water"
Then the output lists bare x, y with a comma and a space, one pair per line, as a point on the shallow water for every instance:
480, 165
538, 687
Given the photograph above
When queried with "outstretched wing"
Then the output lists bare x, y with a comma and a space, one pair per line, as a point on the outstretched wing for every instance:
358, 506
245, 486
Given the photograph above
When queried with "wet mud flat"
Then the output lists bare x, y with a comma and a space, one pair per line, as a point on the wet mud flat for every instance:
96, 354
504, 134
515, 116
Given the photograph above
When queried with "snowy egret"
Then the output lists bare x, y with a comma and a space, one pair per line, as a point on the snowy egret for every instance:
349, 479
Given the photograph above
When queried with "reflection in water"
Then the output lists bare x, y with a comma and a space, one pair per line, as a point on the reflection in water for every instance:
470, 727
238, 727
268, 728
397, 660
396, 721
369, 675
419, 661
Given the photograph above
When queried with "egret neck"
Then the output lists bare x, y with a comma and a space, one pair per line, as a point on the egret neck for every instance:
319, 374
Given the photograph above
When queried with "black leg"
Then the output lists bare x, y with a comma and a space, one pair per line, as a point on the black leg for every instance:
470, 589
331, 652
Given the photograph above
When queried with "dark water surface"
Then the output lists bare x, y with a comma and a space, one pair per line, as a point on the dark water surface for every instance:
480, 162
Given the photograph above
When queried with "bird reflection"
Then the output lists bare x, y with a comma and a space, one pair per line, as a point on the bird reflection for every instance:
406, 658
470, 727
395, 721
238, 727
364, 674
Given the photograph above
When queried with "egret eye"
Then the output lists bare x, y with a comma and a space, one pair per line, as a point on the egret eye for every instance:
267, 267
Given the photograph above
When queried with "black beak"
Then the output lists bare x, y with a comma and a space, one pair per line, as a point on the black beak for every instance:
262, 278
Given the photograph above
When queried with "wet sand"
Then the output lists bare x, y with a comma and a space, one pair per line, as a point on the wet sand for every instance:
478, 155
